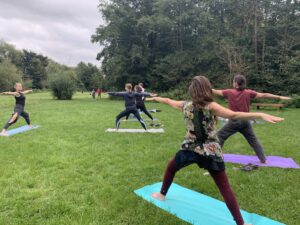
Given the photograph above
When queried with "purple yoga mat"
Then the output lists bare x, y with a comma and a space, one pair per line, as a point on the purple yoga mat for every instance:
272, 161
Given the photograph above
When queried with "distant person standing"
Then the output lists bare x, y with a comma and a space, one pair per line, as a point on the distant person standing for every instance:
93, 93
98, 93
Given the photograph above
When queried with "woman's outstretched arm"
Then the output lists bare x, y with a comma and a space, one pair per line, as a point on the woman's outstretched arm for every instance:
221, 111
145, 94
9, 93
173, 103
27, 91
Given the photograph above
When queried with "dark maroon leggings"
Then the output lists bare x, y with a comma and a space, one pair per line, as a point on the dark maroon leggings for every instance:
221, 181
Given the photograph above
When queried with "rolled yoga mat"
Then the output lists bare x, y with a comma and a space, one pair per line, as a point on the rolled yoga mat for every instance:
20, 130
196, 208
272, 161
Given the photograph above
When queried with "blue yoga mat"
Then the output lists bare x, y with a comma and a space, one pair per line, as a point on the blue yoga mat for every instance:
196, 208
21, 129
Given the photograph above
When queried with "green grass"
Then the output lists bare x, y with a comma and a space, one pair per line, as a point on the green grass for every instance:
70, 171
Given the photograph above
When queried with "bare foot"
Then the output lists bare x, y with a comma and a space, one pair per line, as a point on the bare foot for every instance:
30, 126
4, 133
264, 162
158, 196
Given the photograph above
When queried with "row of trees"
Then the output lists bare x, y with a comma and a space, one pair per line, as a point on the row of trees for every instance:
39, 72
165, 42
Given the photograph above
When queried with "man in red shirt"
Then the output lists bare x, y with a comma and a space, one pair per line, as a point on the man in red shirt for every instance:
98, 92
239, 101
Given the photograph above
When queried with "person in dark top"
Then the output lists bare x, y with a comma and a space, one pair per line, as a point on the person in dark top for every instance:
239, 101
201, 144
130, 104
93, 93
19, 107
140, 102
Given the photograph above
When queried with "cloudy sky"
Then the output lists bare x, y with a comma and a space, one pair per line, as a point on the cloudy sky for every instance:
59, 29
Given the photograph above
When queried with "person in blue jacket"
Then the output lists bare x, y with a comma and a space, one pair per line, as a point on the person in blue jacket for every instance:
130, 104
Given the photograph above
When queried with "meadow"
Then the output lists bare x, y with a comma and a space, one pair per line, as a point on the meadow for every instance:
70, 171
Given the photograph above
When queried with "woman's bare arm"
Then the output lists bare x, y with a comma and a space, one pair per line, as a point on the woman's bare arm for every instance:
27, 91
221, 111
9, 93
173, 103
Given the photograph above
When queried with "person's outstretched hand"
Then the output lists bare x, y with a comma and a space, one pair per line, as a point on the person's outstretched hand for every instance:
285, 98
271, 119
150, 99
153, 95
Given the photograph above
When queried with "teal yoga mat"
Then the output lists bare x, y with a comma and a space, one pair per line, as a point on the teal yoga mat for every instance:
198, 209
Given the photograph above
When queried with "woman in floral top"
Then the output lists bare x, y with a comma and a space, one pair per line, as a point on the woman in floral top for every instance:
200, 144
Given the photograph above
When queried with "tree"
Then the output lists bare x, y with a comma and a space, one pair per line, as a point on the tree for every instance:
9, 75
166, 42
8, 51
34, 68
89, 75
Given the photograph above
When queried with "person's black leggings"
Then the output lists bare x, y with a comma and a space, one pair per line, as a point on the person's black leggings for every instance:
245, 128
126, 112
142, 107
18, 111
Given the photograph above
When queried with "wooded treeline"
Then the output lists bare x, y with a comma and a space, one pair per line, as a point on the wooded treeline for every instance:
165, 42
37, 71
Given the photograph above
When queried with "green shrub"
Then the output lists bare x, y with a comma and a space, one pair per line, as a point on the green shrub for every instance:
294, 103
179, 92
63, 86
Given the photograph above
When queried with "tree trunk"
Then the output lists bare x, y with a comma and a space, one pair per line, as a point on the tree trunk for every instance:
255, 35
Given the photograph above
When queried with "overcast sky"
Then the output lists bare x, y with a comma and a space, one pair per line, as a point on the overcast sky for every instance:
59, 29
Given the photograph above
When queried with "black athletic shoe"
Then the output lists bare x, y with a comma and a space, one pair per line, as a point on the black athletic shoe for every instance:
249, 167
155, 125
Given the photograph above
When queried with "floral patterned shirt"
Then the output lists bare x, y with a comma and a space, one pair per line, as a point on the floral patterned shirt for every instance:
209, 144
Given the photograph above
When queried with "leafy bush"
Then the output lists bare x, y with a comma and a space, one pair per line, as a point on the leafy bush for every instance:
63, 86
294, 103
179, 92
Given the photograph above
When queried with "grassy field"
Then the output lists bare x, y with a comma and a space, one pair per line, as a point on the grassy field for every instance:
70, 171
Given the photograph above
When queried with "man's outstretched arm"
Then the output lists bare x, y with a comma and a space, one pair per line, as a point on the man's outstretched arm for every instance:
268, 95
